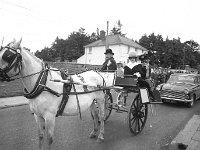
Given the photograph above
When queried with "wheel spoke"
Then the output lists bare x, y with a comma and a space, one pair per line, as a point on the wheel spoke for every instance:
138, 124
142, 121
133, 111
133, 121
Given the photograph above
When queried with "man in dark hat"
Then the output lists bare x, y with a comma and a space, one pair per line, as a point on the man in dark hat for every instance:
109, 64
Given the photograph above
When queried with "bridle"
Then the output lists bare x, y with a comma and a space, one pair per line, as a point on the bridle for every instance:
14, 59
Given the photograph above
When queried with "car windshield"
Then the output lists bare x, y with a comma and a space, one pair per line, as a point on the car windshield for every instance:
181, 79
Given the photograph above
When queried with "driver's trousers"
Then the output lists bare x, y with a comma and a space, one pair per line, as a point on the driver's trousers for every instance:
144, 84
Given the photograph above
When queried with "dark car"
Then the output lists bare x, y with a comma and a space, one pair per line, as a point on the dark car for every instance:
181, 88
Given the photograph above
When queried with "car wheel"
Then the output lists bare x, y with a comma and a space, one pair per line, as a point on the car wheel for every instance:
191, 104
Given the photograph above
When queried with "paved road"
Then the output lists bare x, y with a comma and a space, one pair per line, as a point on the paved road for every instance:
18, 130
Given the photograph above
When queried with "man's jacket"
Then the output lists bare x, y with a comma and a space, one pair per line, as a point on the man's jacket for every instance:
138, 68
111, 67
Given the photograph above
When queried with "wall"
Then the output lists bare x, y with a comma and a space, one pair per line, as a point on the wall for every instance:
73, 67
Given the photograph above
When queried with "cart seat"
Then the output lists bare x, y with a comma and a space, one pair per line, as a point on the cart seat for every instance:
126, 81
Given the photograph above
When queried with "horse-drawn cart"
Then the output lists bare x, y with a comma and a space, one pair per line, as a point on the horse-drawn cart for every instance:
70, 95
138, 109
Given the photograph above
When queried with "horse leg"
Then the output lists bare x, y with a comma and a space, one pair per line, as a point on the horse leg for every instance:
101, 106
49, 126
41, 131
94, 113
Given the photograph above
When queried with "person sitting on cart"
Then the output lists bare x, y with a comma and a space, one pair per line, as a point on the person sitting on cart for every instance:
110, 63
133, 61
120, 69
136, 68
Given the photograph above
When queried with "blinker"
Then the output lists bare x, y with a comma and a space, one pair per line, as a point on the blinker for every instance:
9, 56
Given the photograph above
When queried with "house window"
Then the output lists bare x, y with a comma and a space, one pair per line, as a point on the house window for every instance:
90, 50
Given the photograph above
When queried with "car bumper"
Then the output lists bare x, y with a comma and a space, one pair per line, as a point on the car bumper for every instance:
176, 99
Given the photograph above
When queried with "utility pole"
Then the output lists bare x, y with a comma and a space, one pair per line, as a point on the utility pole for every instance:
184, 57
107, 45
107, 26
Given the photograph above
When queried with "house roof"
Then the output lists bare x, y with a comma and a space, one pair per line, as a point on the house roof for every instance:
114, 40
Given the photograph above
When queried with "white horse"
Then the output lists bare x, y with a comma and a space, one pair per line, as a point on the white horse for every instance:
16, 60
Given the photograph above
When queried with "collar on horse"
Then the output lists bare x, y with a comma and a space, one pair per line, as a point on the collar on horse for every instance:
39, 85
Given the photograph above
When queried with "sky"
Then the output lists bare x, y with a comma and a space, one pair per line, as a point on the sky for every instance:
39, 22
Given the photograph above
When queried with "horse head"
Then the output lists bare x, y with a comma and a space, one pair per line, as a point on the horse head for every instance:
10, 60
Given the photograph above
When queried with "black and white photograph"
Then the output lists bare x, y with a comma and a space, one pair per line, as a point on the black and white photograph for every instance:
99, 75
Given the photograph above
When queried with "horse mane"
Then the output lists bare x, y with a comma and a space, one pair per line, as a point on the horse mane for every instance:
33, 56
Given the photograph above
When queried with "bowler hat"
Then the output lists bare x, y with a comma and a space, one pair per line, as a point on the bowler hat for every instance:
109, 51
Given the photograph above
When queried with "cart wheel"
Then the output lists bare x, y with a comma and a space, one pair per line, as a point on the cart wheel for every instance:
137, 115
108, 106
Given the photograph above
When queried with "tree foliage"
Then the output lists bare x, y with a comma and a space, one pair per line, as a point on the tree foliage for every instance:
69, 49
170, 53
117, 29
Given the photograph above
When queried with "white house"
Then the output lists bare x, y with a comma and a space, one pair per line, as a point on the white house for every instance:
120, 45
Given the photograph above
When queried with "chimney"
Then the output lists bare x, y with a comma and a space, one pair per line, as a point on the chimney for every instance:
102, 34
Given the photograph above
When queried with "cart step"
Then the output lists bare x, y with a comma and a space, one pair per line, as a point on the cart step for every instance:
116, 105
119, 111
155, 103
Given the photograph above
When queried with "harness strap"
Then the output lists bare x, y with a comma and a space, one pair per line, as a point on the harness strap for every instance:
66, 92
51, 91
79, 109
104, 82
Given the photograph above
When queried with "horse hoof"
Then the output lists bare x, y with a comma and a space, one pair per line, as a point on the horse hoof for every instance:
100, 140
92, 136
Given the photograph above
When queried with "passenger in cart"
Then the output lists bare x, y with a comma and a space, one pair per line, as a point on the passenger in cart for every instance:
137, 68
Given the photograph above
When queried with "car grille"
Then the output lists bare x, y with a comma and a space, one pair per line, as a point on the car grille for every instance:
173, 94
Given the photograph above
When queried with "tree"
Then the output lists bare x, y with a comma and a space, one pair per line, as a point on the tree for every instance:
70, 49
59, 47
45, 54
191, 57
75, 43
170, 52
117, 30
155, 46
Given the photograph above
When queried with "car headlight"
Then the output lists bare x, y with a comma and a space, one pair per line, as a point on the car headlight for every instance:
158, 87
186, 91
187, 96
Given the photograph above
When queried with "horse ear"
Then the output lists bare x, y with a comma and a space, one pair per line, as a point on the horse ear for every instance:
17, 44
13, 41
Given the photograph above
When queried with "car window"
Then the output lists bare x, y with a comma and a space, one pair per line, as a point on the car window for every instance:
182, 78
195, 80
198, 80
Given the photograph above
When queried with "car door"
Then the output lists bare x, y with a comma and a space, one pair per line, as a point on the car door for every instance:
198, 87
